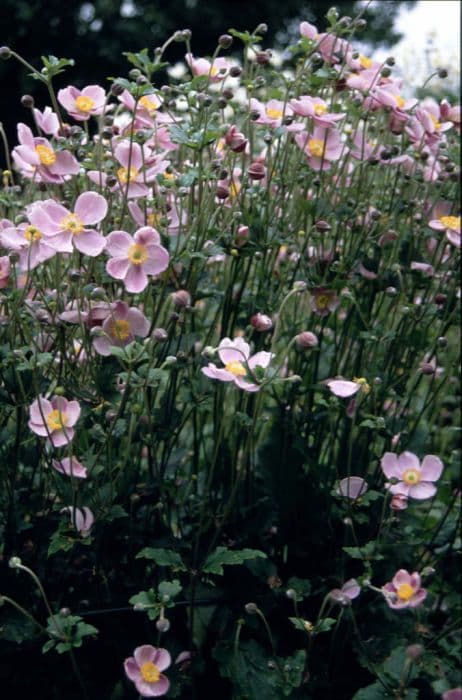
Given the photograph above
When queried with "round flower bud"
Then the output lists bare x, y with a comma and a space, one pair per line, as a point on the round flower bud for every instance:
181, 298
162, 625
299, 286
322, 226
442, 73
27, 101
427, 368
262, 28
225, 41
307, 340
263, 57
291, 594
117, 89
261, 322
414, 651
65, 612
251, 608
235, 71
256, 171
5, 52
160, 334
14, 562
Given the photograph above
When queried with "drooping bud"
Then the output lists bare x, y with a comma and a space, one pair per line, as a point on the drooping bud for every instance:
307, 340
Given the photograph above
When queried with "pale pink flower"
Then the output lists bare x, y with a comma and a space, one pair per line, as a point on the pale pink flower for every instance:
414, 480
5, 269
81, 518
454, 694
452, 113
36, 159
70, 466
150, 217
136, 257
348, 592
215, 71
272, 113
344, 388
323, 301
120, 328
308, 30
47, 121
261, 322
145, 668
443, 220
317, 109
239, 367
404, 590
352, 487
321, 148
29, 242
389, 95
65, 230
83, 104
365, 80
54, 419
399, 502
147, 111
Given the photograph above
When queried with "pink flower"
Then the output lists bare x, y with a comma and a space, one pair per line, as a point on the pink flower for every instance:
352, 487
120, 328
404, 591
136, 257
317, 109
414, 480
261, 322
54, 419
36, 159
145, 668
153, 218
4, 269
389, 95
348, 592
47, 121
82, 104
271, 113
65, 230
444, 221
215, 71
323, 301
81, 518
239, 366
29, 242
454, 694
344, 388
321, 148
399, 502
70, 466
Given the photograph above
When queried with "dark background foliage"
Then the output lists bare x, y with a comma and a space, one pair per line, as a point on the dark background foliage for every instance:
96, 34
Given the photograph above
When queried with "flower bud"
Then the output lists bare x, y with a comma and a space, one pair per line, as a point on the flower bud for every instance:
225, 41
261, 322
442, 73
251, 608
299, 286
160, 334
262, 28
414, 652
322, 226
235, 71
307, 340
27, 101
181, 298
398, 502
5, 52
256, 171
14, 562
263, 57
427, 368
162, 625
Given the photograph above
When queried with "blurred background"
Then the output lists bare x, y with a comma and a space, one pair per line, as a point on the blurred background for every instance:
97, 33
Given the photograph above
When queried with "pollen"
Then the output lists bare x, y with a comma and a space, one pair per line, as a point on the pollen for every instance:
362, 381
452, 222
84, 103
32, 234
400, 101
120, 330
236, 368
405, 591
411, 477
46, 155
55, 420
320, 109
72, 223
365, 61
273, 113
316, 148
137, 254
435, 121
125, 175
149, 102
149, 672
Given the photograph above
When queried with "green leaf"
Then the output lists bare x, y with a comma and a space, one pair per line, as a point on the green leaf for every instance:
146, 601
372, 692
222, 556
162, 557
325, 625
168, 590
367, 551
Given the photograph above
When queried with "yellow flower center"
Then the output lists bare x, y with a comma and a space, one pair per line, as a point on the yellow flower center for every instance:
32, 234
316, 148
169, 176
365, 61
72, 223
452, 222
56, 420
400, 101
125, 175
213, 71
273, 113
411, 477
46, 155
362, 381
234, 189
120, 330
435, 121
148, 102
322, 301
84, 103
320, 109
149, 672
137, 254
405, 591
153, 219
236, 368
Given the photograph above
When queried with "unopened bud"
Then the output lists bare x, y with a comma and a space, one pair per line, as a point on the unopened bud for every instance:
322, 226
261, 322
225, 41
251, 608
14, 562
181, 298
256, 171
162, 625
414, 651
5, 52
307, 340
160, 334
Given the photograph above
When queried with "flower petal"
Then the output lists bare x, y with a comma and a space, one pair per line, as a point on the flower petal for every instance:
432, 468
91, 208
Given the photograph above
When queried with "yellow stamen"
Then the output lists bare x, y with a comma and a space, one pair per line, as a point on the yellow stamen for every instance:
169, 176
149, 103
452, 222
32, 234
120, 330
72, 223
273, 113
234, 189
149, 672
213, 71
236, 368
84, 103
435, 121
153, 219
365, 61
56, 420
137, 254
316, 148
320, 109
362, 381
411, 477
46, 155
125, 175
400, 101
405, 591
